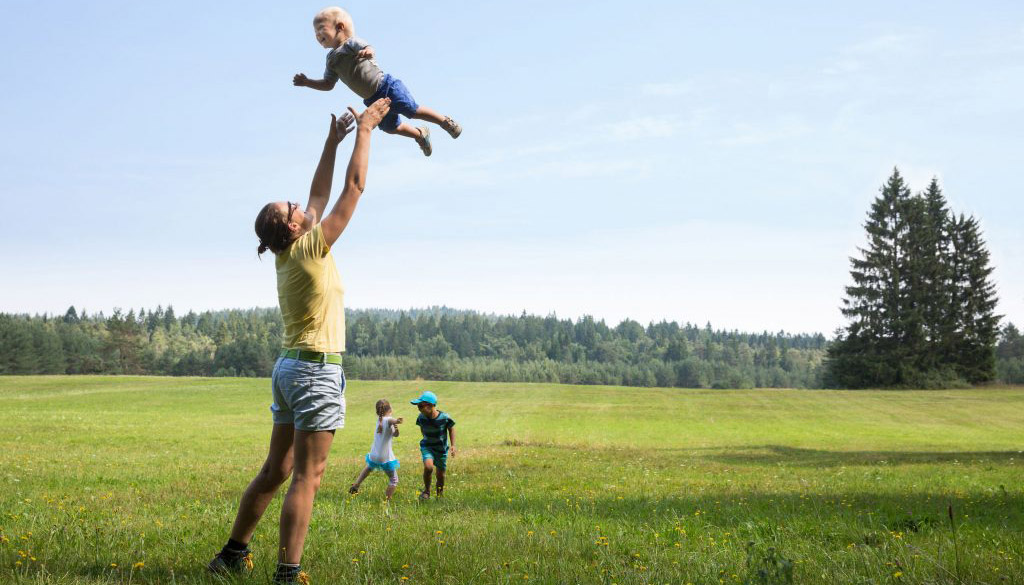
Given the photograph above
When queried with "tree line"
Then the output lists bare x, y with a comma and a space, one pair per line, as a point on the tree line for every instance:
432, 344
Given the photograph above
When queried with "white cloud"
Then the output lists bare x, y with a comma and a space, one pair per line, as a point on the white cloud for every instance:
645, 127
667, 89
749, 134
870, 53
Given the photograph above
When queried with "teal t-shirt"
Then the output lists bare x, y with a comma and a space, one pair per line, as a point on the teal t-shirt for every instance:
435, 430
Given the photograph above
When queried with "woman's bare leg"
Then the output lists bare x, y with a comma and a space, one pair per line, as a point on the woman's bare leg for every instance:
310, 451
264, 486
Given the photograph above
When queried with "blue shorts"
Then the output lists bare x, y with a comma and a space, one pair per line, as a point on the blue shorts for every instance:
402, 102
309, 395
386, 467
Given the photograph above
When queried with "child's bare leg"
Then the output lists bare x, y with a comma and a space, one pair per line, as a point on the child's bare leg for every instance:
420, 134
425, 113
450, 126
440, 482
428, 472
406, 129
392, 485
359, 480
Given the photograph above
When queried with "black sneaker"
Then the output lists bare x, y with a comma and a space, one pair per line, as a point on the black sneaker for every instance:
226, 563
288, 576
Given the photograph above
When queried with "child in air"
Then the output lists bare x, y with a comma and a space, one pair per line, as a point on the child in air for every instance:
351, 60
381, 456
438, 429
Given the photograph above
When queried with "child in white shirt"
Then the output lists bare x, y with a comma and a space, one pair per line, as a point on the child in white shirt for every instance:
381, 456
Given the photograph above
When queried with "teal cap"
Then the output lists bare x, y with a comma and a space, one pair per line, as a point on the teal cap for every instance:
427, 397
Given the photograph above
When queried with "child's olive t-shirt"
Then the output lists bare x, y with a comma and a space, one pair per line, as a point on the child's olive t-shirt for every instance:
435, 430
362, 76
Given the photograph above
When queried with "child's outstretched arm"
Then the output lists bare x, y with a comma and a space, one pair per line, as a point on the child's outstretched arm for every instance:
394, 425
451, 440
301, 80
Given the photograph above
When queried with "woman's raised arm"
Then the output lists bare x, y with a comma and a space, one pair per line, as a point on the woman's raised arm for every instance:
337, 220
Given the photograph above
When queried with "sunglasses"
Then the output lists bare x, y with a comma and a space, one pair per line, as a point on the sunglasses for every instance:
291, 208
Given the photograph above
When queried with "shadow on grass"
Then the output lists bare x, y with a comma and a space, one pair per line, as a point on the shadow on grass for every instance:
811, 511
188, 571
758, 455
780, 454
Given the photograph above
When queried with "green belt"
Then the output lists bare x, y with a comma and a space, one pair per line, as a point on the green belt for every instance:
312, 356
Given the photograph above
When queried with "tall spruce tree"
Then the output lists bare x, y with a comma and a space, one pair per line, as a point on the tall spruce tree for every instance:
975, 303
868, 353
937, 281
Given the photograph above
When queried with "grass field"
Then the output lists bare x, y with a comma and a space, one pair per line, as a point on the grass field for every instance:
136, 480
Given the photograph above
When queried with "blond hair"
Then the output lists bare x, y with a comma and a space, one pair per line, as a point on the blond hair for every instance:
335, 14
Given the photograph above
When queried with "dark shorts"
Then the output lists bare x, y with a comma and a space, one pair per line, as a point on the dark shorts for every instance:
402, 102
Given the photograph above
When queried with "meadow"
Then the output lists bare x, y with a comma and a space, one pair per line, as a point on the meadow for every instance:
136, 480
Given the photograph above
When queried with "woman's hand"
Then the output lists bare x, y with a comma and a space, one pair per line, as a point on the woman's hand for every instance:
372, 115
340, 127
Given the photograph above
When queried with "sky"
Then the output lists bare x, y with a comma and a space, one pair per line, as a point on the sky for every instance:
684, 161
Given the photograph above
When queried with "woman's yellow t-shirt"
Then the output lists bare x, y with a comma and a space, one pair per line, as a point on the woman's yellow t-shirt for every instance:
311, 295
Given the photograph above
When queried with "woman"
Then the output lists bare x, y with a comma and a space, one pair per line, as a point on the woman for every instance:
308, 381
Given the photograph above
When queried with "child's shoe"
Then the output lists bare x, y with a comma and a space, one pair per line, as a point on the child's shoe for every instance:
424, 496
353, 490
451, 127
424, 141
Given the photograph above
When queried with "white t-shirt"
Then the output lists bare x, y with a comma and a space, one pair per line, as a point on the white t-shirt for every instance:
381, 451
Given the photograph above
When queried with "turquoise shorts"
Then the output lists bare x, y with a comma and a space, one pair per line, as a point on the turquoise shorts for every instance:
385, 467
438, 454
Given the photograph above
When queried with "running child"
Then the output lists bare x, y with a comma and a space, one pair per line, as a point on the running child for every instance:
381, 456
351, 59
438, 430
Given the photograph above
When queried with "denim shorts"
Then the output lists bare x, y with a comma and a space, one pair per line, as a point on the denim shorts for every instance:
309, 395
402, 102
